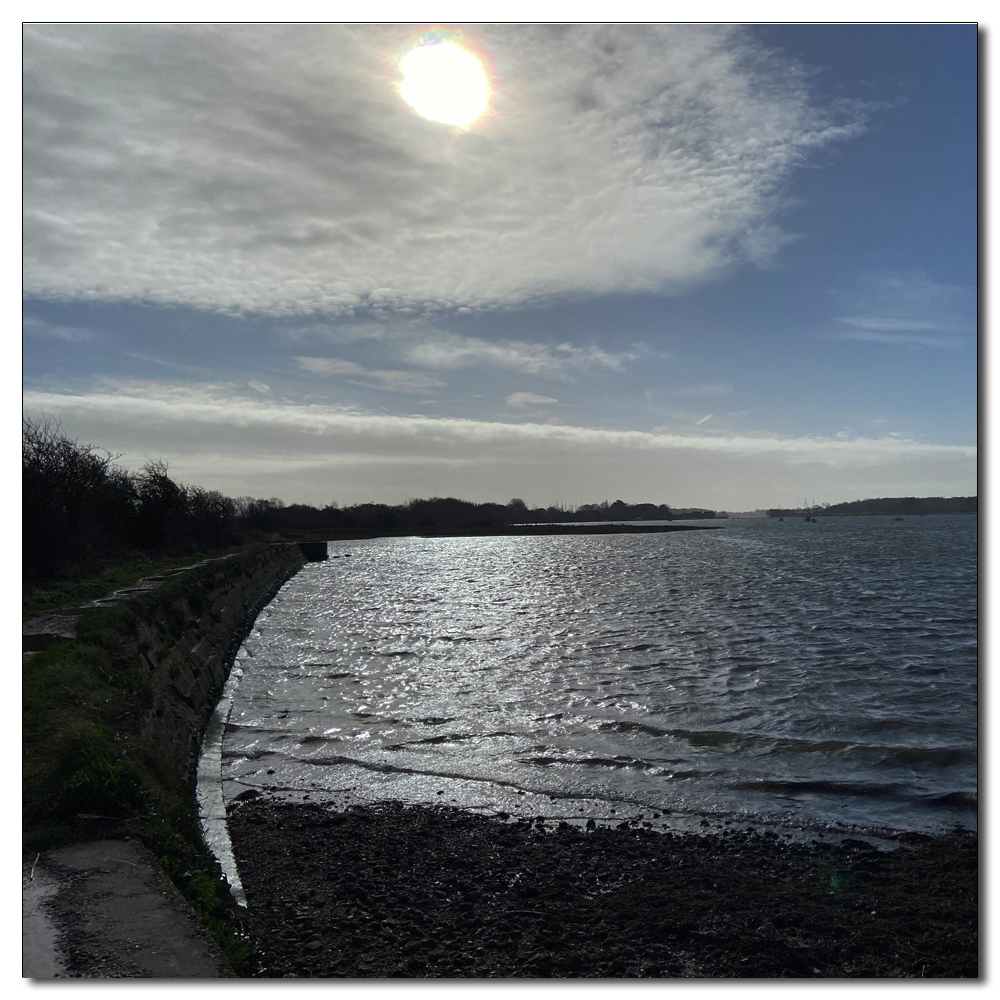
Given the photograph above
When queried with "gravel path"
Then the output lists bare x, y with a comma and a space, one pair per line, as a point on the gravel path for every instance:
391, 892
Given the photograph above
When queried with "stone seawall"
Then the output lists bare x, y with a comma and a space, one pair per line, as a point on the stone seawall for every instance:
187, 673
117, 696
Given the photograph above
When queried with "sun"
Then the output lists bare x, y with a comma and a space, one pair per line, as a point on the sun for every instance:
445, 83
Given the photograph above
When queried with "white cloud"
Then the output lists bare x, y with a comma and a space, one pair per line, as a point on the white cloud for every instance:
422, 344
213, 436
274, 167
443, 350
393, 381
523, 399
330, 366
405, 381
716, 389
873, 323
899, 339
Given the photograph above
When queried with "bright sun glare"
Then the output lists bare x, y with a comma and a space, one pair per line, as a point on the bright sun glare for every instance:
445, 83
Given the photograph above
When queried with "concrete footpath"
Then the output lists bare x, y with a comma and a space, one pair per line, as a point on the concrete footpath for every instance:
106, 910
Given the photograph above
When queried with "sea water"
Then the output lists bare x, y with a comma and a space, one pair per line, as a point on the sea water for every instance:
807, 675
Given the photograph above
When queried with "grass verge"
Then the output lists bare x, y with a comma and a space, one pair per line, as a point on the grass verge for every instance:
39, 600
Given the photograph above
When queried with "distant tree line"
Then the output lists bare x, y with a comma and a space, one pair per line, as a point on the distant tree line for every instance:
887, 505
908, 505
441, 514
82, 512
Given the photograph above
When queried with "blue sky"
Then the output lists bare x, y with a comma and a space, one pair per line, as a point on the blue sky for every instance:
694, 264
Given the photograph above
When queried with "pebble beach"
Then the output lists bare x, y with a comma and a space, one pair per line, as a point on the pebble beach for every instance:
388, 891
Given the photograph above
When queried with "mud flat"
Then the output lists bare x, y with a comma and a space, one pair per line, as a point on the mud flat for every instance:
387, 891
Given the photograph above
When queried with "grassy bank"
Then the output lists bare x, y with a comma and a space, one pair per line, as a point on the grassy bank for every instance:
109, 746
39, 600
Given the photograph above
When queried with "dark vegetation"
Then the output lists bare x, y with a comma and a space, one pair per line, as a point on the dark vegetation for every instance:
393, 892
76, 592
447, 514
887, 505
87, 705
85, 516
908, 505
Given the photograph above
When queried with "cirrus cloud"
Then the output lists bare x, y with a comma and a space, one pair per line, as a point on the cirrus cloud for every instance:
394, 381
907, 309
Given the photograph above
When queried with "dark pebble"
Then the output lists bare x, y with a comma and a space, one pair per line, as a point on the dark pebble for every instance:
493, 900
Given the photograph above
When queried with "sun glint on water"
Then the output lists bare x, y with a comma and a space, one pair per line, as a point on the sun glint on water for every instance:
445, 83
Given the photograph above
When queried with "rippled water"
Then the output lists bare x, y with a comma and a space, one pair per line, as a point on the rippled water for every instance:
786, 671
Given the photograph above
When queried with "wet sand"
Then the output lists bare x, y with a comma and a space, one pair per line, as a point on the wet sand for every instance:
385, 891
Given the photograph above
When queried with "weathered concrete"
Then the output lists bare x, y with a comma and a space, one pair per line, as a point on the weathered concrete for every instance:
40, 957
109, 912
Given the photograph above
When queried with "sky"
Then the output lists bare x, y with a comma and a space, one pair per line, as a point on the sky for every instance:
694, 264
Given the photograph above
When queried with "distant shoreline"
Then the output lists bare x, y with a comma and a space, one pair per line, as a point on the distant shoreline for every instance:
866, 513
585, 528
885, 506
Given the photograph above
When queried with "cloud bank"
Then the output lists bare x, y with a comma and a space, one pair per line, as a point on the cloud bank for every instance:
218, 436
275, 168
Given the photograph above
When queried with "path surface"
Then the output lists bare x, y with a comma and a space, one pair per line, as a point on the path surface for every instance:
59, 625
106, 910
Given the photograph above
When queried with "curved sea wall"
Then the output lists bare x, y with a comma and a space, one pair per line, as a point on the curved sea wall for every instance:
216, 609
115, 709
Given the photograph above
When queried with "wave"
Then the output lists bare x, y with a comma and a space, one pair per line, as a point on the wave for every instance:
253, 753
938, 757
632, 727
448, 738
900, 756
852, 788
654, 768
960, 800
866, 789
